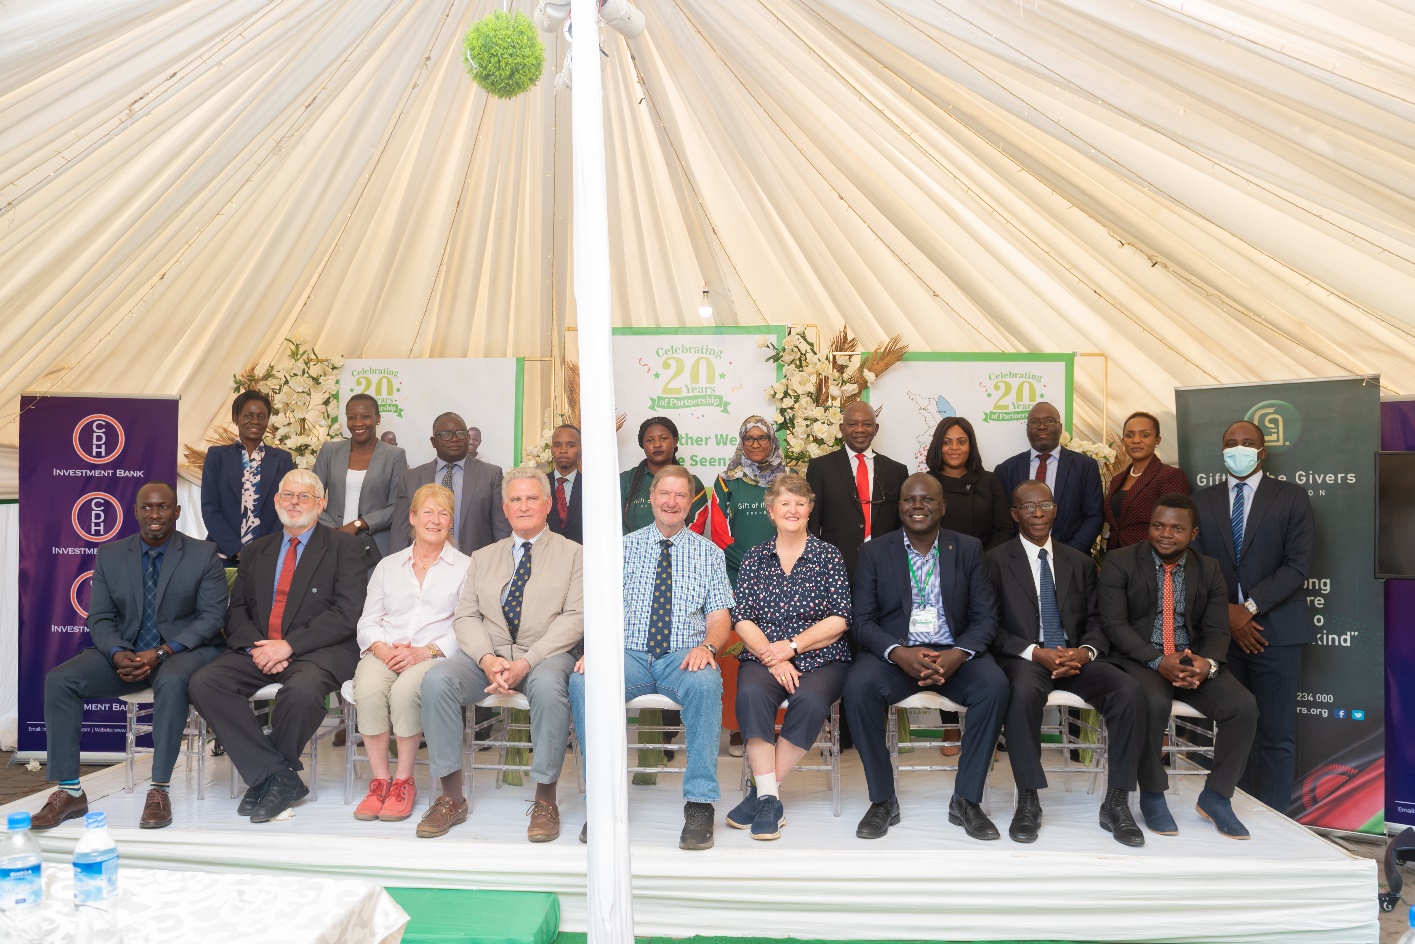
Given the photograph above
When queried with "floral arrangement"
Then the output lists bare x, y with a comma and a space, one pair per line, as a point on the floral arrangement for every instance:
1105, 454
504, 54
304, 389
816, 388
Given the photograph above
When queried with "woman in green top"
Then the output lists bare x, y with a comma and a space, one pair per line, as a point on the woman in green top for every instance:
738, 511
658, 436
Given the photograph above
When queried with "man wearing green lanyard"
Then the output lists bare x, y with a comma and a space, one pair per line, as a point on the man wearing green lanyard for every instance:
925, 615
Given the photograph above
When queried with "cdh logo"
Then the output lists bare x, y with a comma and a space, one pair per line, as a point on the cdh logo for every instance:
98, 438
97, 517
80, 591
1280, 422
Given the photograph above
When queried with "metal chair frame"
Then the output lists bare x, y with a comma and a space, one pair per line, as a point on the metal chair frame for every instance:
140, 706
827, 742
931, 701
267, 695
353, 740
499, 728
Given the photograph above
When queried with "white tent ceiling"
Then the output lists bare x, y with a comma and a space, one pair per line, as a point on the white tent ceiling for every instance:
1203, 191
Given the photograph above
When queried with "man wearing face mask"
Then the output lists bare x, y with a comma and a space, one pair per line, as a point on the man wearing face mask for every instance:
1259, 528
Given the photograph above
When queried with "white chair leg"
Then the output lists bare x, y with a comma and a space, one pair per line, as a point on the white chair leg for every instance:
201, 755
350, 750
131, 741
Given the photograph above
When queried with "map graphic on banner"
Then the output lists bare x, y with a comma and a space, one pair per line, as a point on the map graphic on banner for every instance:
486, 392
707, 380
994, 392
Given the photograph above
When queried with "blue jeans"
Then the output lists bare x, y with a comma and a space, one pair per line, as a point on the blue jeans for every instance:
700, 694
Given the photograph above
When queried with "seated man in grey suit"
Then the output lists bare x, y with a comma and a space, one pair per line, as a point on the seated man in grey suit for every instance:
293, 619
1049, 638
518, 624
154, 613
476, 484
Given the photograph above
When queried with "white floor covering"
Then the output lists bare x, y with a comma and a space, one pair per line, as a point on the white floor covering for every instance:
924, 881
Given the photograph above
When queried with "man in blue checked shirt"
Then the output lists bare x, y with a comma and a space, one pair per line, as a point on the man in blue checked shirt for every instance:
676, 602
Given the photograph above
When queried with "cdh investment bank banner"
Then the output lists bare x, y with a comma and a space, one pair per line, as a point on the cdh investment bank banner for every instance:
411, 393
1322, 435
994, 392
706, 380
82, 461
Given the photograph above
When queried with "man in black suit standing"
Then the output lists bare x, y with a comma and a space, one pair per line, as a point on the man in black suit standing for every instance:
294, 610
1259, 528
857, 489
1164, 608
1074, 479
475, 485
154, 616
566, 518
924, 617
1050, 637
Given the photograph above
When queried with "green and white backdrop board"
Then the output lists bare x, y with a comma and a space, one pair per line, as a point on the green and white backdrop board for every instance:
992, 391
411, 393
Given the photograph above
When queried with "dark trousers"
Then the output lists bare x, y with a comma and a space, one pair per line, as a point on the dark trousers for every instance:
222, 692
90, 675
1114, 694
1222, 700
1272, 676
759, 697
873, 685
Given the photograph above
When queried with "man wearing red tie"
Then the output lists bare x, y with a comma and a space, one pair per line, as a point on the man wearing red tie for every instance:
292, 619
857, 489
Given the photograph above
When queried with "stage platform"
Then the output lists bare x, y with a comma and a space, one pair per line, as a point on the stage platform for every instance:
924, 881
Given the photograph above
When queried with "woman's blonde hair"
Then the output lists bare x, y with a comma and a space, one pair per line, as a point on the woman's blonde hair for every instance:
441, 496
791, 484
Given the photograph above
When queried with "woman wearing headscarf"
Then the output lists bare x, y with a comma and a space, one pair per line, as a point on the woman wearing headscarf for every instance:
658, 437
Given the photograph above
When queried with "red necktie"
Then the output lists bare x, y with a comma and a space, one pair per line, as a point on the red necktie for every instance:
862, 488
1042, 466
282, 590
562, 506
1167, 627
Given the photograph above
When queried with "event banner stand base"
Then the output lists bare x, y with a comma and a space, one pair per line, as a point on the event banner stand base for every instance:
924, 881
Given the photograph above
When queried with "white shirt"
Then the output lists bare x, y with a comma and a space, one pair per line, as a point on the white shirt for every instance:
869, 455
1052, 458
398, 609
353, 487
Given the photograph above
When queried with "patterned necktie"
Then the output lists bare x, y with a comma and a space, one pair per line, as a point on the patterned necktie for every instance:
661, 609
1235, 522
562, 504
1042, 458
447, 476
1053, 636
516, 592
282, 590
148, 636
862, 488
1167, 595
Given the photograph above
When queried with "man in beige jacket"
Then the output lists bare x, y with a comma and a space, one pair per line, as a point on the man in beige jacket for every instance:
519, 622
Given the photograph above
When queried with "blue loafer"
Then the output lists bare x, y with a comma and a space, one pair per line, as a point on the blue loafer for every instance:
1219, 811
744, 813
771, 816
1156, 813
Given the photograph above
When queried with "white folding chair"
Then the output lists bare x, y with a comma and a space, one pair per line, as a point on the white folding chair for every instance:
139, 707
929, 701
353, 740
1182, 743
1071, 730
827, 742
500, 730
266, 696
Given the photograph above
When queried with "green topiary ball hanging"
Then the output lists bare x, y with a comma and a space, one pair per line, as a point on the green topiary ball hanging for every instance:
503, 53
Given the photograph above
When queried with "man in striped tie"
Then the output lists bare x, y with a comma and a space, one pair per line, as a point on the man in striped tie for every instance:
1050, 638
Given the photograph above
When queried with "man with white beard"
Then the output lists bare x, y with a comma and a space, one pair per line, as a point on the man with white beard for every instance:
293, 616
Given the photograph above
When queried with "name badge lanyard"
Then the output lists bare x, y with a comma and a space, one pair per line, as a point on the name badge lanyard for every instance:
921, 585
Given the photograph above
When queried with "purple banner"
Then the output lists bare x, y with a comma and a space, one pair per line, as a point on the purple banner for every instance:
82, 461
1398, 435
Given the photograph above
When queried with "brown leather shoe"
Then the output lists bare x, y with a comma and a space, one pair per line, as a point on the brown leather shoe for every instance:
59, 807
545, 822
444, 814
156, 810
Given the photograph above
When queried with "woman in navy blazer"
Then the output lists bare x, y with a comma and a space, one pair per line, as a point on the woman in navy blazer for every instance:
233, 515
1133, 491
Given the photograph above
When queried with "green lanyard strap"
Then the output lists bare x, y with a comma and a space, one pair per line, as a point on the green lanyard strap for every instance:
920, 585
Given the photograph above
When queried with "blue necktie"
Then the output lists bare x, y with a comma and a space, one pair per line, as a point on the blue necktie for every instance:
1235, 522
661, 610
148, 636
1053, 636
516, 592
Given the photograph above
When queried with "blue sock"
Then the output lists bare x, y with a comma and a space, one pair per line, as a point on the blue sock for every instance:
161, 785
71, 787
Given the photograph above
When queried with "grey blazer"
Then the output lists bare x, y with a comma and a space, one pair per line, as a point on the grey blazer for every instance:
191, 594
376, 497
482, 521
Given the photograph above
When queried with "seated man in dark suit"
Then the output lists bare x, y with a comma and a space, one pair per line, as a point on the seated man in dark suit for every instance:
1259, 529
1074, 479
566, 518
924, 617
1050, 637
154, 614
293, 617
1165, 610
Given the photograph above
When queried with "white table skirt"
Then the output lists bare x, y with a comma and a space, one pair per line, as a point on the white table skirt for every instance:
157, 907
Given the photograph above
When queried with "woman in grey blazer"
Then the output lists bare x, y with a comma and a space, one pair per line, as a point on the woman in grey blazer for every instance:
359, 475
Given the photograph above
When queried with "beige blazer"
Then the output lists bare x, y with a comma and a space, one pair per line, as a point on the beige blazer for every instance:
552, 616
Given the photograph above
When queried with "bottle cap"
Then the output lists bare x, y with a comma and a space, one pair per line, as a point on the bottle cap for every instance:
17, 821
95, 820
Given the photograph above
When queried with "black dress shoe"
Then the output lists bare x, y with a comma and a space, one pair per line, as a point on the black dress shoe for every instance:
252, 798
1027, 818
971, 817
1117, 820
281, 792
878, 818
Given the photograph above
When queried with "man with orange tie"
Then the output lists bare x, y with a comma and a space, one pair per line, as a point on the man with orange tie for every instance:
1074, 479
857, 489
292, 619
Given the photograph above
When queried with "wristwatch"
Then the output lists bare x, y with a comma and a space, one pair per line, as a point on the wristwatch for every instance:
710, 648
164, 652
1213, 668
792, 644
360, 525
434, 650
1251, 606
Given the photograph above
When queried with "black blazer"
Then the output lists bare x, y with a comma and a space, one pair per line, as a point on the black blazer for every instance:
191, 594
221, 494
573, 527
1019, 613
324, 605
975, 504
1277, 554
884, 597
836, 517
1129, 596
1080, 506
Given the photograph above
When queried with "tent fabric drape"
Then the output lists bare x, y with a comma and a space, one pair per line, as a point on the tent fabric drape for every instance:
1204, 192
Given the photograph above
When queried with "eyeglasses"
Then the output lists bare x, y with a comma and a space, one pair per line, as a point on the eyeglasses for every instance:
755, 440
300, 498
447, 435
1047, 423
1032, 507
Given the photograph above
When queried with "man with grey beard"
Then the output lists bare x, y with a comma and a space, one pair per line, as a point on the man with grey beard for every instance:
294, 611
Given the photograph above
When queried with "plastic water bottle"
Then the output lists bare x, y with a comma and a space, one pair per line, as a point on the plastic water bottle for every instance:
1409, 936
21, 882
96, 883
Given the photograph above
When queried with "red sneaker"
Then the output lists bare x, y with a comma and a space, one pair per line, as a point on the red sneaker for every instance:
372, 804
402, 794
